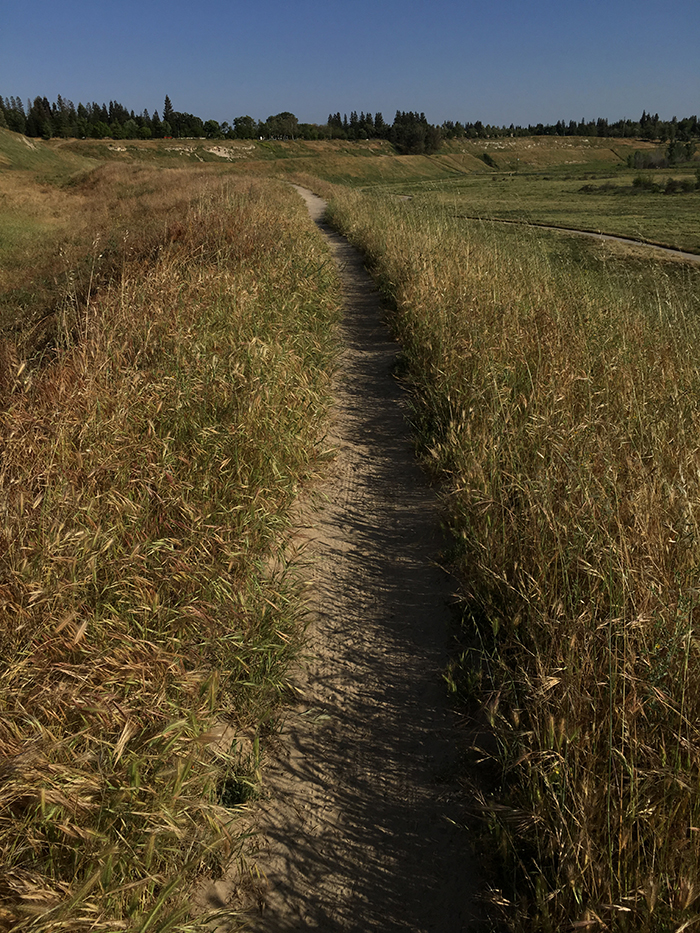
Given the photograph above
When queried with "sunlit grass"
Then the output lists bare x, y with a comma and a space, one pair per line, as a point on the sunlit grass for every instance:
557, 199
148, 465
557, 395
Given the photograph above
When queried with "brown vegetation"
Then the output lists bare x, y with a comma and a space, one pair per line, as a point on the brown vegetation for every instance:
148, 461
556, 394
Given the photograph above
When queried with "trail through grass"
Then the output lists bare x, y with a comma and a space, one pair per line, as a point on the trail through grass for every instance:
557, 396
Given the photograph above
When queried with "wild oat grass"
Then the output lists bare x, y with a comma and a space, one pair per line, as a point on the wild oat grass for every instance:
557, 393
72, 237
145, 476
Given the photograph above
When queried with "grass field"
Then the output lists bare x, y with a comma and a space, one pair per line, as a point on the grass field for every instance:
612, 204
153, 441
166, 342
557, 399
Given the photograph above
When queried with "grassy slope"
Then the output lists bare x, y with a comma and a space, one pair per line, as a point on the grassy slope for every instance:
557, 199
34, 155
363, 163
537, 179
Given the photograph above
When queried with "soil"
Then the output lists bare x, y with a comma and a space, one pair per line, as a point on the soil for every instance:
362, 825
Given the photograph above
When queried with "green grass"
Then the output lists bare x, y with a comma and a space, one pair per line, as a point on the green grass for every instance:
556, 396
557, 199
18, 152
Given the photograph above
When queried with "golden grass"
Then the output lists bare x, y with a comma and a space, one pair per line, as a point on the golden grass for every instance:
147, 469
72, 238
556, 394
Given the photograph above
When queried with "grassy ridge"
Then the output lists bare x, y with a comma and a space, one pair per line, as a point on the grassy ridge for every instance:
557, 393
365, 163
18, 152
147, 468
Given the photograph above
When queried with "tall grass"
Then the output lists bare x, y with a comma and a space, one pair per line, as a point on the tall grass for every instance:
72, 235
146, 472
557, 393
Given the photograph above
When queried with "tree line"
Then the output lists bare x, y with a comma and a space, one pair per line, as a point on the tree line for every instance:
100, 121
648, 126
410, 131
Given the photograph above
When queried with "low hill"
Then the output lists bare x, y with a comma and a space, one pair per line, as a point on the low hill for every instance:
541, 152
35, 155
368, 162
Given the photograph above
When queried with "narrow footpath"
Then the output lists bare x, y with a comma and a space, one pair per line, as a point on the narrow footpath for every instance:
361, 826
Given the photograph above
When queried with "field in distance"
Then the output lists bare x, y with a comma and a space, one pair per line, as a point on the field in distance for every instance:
575, 182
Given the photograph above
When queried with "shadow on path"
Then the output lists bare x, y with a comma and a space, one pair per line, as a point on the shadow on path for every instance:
361, 828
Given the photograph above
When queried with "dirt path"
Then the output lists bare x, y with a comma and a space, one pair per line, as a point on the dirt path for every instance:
358, 828
644, 245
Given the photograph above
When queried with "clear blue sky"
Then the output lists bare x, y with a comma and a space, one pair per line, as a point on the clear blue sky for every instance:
498, 61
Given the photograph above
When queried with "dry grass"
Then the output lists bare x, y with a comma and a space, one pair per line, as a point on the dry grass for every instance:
73, 237
146, 470
558, 396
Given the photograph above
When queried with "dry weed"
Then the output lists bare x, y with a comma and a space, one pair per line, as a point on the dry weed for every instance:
560, 405
145, 475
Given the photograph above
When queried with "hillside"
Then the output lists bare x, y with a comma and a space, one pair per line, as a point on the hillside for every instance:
35, 155
366, 162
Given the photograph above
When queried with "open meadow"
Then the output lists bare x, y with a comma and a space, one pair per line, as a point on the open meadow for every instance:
167, 339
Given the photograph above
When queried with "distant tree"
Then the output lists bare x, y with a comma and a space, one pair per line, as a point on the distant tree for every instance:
283, 125
381, 128
245, 128
15, 115
39, 122
100, 130
678, 151
187, 124
309, 131
412, 134
335, 126
168, 110
212, 130
367, 125
433, 139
